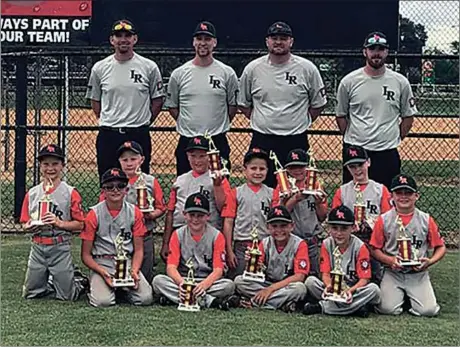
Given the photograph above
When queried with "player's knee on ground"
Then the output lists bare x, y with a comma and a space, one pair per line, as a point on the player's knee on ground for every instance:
388, 308
426, 311
101, 301
143, 298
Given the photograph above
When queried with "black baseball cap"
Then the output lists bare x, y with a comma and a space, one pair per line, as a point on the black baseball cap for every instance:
114, 174
279, 28
132, 146
51, 150
255, 153
341, 215
354, 155
205, 28
376, 38
403, 181
197, 203
279, 214
297, 157
198, 142
123, 25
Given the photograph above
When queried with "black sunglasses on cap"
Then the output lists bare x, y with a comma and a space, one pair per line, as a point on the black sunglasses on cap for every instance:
114, 186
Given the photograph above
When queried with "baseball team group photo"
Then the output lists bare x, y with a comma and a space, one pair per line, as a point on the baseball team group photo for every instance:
231, 192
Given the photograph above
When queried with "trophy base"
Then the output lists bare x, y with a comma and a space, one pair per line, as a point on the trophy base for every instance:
336, 298
147, 210
125, 282
223, 172
188, 308
254, 277
312, 192
410, 263
36, 223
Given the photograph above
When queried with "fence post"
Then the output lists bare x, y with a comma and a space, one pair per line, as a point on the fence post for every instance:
20, 157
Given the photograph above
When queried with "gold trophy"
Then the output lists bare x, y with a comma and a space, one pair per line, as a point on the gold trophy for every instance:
44, 205
144, 198
407, 252
337, 280
216, 163
122, 276
189, 303
359, 206
287, 184
312, 186
254, 270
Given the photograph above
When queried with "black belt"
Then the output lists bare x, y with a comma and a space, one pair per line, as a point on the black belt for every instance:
125, 130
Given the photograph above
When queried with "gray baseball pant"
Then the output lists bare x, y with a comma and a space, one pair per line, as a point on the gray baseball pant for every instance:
369, 294
239, 247
148, 262
416, 285
295, 291
313, 254
164, 285
57, 261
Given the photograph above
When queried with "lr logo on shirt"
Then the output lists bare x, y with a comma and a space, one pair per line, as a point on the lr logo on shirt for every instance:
214, 83
291, 78
137, 77
390, 94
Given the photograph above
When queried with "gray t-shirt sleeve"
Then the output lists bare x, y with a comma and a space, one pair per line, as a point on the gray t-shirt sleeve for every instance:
408, 108
244, 94
343, 100
232, 88
172, 96
318, 98
94, 90
156, 83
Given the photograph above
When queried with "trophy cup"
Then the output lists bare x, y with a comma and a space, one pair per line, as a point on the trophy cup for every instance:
311, 181
407, 252
359, 206
189, 303
253, 271
287, 184
44, 205
144, 198
122, 276
216, 163
337, 280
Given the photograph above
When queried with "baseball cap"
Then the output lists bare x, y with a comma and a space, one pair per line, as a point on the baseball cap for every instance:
132, 146
341, 215
255, 153
376, 38
198, 142
205, 28
279, 28
279, 214
197, 203
51, 150
403, 181
112, 175
354, 155
123, 25
297, 157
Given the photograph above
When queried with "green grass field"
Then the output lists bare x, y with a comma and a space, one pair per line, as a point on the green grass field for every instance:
45, 322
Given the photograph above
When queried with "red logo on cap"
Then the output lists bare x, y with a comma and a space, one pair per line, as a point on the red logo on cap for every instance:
340, 215
403, 179
197, 201
376, 37
115, 172
51, 148
295, 156
128, 144
353, 152
197, 141
256, 150
203, 26
278, 212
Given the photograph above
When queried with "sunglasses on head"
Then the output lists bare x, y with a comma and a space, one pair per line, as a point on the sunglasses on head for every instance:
122, 26
114, 186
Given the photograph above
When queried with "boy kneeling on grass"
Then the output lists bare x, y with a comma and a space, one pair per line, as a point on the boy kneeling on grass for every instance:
205, 246
103, 224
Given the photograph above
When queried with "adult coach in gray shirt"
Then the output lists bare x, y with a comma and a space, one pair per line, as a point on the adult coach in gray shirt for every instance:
375, 109
202, 97
126, 92
282, 94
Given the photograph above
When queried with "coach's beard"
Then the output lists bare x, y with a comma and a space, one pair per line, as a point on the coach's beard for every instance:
375, 65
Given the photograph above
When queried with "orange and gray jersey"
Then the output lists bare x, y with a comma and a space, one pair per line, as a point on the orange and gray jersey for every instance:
306, 223
372, 197
280, 264
131, 197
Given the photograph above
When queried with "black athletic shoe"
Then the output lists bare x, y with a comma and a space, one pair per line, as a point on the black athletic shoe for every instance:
363, 312
163, 301
289, 307
232, 301
310, 308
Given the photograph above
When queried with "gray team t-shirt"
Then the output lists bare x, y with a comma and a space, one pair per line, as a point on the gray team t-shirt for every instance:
374, 106
281, 95
125, 90
203, 95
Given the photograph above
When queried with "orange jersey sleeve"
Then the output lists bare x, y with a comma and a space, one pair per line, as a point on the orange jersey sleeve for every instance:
276, 196
324, 261
76, 210
337, 199
218, 256
90, 228
385, 205
172, 200
434, 236
25, 217
230, 208
301, 259
159, 197
363, 263
378, 235
174, 250
139, 228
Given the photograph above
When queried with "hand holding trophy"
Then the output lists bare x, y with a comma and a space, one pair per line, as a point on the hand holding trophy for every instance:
216, 163
408, 254
122, 276
144, 198
312, 186
287, 184
44, 205
338, 286
188, 300
254, 269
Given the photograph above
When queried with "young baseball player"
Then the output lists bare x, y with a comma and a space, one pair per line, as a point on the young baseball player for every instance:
50, 254
103, 224
285, 258
205, 246
424, 233
131, 157
197, 180
355, 264
246, 208
307, 211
